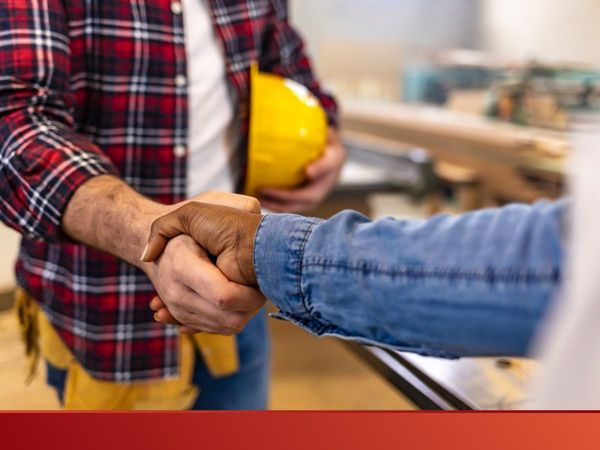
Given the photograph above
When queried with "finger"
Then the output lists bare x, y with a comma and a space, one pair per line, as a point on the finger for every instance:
182, 328
206, 281
164, 316
163, 229
156, 303
177, 222
240, 298
198, 314
209, 282
237, 201
323, 166
205, 317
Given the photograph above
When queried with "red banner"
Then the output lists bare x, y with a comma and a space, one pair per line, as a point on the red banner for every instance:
300, 430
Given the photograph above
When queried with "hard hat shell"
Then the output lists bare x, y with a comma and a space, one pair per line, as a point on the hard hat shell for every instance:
288, 130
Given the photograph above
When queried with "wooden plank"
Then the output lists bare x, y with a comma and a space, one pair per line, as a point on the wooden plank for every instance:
501, 154
454, 133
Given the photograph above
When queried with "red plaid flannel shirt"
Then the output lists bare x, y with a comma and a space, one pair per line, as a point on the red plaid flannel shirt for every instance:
90, 88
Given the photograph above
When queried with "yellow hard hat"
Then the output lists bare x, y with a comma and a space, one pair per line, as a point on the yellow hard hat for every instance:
288, 130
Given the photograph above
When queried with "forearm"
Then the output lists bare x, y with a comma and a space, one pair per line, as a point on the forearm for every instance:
43, 160
477, 284
107, 214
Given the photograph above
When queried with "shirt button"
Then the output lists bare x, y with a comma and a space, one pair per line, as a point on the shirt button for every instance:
180, 80
179, 151
176, 7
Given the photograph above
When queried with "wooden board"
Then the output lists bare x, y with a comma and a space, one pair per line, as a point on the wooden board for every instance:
503, 155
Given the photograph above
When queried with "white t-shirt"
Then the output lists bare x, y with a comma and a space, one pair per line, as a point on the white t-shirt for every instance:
210, 105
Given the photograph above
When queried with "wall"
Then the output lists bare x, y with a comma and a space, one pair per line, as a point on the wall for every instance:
366, 42
552, 30
422, 23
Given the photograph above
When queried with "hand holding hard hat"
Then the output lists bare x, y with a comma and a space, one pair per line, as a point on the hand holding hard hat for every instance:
293, 159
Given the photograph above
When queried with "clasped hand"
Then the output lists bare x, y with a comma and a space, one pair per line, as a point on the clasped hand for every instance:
193, 291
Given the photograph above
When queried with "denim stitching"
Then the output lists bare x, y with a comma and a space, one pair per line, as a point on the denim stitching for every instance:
310, 325
317, 329
488, 275
301, 267
257, 239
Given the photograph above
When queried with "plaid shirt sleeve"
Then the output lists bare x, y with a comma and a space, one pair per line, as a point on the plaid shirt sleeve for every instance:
284, 55
42, 159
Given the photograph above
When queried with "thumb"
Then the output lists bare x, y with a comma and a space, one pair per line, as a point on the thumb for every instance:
163, 229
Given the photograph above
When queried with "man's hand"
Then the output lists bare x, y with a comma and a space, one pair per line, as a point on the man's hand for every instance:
198, 295
226, 233
107, 214
321, 178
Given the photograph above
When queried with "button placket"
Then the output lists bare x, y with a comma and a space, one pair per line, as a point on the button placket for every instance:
180, 80
179, 151
176, 7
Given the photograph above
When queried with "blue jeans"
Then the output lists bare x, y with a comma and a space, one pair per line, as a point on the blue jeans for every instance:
247, 389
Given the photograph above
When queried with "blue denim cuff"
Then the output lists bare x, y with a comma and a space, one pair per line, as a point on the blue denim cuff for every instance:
278, 253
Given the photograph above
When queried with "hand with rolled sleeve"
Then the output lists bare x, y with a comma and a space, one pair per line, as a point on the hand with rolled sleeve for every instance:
184, 277
107, 214
198, 294
228, 234
472, 285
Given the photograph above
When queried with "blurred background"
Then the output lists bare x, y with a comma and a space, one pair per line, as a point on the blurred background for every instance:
447, 106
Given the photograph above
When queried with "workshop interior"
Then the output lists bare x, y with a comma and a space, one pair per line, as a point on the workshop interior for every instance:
445, 107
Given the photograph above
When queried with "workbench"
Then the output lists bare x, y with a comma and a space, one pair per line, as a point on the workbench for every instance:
462, 384
512, 162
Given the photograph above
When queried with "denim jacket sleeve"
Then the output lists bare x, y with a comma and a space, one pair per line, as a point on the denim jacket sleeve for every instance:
470, 285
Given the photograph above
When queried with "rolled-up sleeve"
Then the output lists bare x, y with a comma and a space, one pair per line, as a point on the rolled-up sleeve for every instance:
43, 161
279, 250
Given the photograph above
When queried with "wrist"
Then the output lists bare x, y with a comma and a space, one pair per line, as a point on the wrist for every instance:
146, 217
245, 253
107, 214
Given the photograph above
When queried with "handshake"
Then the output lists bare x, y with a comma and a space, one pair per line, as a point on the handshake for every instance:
199, 258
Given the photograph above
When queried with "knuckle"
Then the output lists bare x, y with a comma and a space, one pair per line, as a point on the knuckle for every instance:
155, 227
180, 249
225, 332
253, 205
176, 265
185, 316
235, 324
222, 303
209, 195
192, 216
188, 212
175, 304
